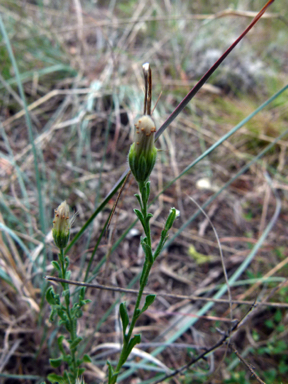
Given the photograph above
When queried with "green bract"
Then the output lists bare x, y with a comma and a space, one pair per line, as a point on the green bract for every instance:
143, 153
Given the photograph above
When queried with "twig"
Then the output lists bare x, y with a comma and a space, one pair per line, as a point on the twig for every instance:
225, 338
182, 297
247, 365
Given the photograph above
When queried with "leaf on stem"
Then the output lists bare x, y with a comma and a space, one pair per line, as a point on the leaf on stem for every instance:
60, 344
137, 313
86, 359
140, 217
139, 200
147, 191
148, 217
147, 250
78, 313
66, 377
55, 363
52, 316
52, 297
56, 265
149, 300
136, 340
75, 342
124, 317
80, 372
67, 324
55, 378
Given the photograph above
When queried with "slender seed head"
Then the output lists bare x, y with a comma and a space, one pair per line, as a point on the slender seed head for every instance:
143, 153
61, 226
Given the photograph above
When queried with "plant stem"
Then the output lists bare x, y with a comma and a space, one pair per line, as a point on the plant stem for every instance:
72, 323
143, 187
124, 355
144, 190
139, 297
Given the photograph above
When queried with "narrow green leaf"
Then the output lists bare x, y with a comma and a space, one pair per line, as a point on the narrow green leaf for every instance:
60, 344
86, 359
84, 302
67, 359
78, 313
124, 317
137, 313
149, 300
75, 342
136, 340
67, 325
53, 315
55, 378
148, 217
140, 216
51, 297
80, 371
61, 313
56, 265
55, 363
67, 377
147, 191
139, 200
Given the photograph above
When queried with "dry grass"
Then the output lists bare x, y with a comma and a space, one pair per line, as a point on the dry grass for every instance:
83, 108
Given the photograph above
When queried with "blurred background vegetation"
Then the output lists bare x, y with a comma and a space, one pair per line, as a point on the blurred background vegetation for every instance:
80, 66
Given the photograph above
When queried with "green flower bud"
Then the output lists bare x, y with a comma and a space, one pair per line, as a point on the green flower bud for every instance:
173, 214
143, 153
61, 226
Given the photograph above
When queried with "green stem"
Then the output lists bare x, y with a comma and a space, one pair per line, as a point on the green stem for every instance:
124, 355
144, 197
63, 269
144, 277
139, 297
72, 324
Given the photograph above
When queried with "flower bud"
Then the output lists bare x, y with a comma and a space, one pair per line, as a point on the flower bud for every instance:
143, 153
173, 214
61, 226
